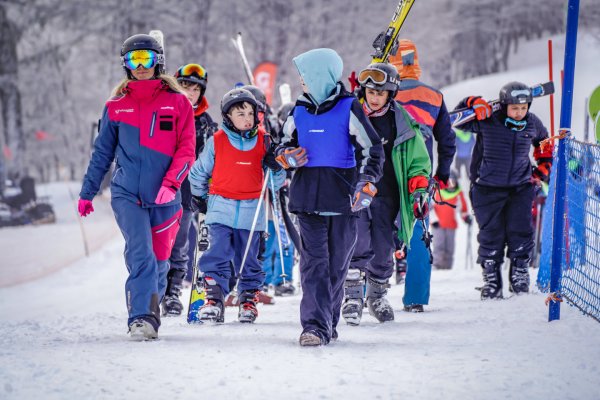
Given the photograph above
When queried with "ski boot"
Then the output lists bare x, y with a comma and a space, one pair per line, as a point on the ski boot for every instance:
379, 306
400, 264
248, 311
284, 289
171, 305
141, 329
213, 310
492, 280
354, 289
519, 275
416, 308
311, 338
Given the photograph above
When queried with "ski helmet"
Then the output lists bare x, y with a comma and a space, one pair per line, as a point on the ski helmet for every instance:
233, 97
259, 95
193, 73
379, 76
144, 42
515, 93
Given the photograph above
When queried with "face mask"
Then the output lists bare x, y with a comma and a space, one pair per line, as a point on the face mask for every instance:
515, 125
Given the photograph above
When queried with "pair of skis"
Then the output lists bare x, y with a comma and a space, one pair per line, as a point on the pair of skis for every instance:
465, 115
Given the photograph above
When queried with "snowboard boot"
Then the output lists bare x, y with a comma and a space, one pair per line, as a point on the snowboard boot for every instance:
400, 269
213, 309
519, 275
171, 305
248, 311
141, 329
354, 288
379, 306
285, 289
492, 280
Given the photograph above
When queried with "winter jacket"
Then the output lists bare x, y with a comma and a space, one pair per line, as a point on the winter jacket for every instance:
149, 131
445, 213
237, 214
501, 155
426, 105
326, 188
205, 128
412, 166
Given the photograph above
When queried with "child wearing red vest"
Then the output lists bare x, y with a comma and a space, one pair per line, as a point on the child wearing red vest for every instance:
229, 175
444, 229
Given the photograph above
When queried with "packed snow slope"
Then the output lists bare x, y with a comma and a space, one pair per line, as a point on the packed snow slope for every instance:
64, 336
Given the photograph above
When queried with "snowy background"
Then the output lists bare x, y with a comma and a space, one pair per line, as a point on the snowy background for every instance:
63, 332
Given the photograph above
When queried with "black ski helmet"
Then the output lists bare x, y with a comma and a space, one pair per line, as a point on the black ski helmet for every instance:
391, 83
235, 96
193, 73
515, 93
144, 42
259, 95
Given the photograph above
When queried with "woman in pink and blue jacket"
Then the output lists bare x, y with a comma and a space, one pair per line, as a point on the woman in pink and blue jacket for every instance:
147, 128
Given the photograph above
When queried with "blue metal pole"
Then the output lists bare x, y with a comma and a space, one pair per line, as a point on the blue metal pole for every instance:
565, 123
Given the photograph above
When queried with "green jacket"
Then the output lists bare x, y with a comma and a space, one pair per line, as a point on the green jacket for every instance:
410, 159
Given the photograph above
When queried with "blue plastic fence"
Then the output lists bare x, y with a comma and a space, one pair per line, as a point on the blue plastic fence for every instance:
580, 249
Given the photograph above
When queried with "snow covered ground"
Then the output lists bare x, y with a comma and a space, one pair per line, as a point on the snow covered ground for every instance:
63, 336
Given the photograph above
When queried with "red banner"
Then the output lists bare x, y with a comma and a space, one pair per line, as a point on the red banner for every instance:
265, 75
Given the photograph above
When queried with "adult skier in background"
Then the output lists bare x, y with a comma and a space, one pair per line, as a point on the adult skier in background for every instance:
147, 127
426, 105
406, 172
502, 184
337, 157
229, 175
193, 79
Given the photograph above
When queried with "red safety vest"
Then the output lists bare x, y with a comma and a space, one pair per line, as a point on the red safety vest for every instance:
237, 174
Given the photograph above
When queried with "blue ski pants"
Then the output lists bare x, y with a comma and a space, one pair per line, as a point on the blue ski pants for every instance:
272, 263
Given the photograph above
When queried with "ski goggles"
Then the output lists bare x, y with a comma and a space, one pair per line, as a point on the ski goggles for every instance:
522, 95
515, 125
146, 58
376, 76
191, 70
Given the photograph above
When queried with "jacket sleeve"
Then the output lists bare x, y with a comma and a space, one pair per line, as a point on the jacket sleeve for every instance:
288, 135
419, 169
184, 155
202, 169
102, 157
367, 143
446, 141
471, 126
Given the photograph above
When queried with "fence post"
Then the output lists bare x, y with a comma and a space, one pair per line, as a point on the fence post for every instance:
565, 124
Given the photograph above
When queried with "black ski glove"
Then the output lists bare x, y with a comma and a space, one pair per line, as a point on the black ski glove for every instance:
199, 204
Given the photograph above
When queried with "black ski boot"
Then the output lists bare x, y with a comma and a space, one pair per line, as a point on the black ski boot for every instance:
492, 280
213, 310
284, 289
248, 311
354, 288
519, 275
379, 306
400, 269
171, 305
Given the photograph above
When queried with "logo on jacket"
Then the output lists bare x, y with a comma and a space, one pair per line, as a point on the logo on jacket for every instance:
167, 108
127, 110
317, 130
243, 163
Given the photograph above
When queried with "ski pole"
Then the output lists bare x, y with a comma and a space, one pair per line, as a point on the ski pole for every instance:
276, 208
253, 227
469, 256
79, 219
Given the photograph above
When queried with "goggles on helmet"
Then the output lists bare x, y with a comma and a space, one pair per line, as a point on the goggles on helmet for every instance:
191, 70
146, 58
376, 76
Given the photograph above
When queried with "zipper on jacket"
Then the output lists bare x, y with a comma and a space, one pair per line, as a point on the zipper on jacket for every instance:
152, 124
167, 227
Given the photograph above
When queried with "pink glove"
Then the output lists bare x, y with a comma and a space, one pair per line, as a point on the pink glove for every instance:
85, 207
165, 195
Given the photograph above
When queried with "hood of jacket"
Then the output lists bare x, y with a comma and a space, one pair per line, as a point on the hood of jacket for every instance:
320, 70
